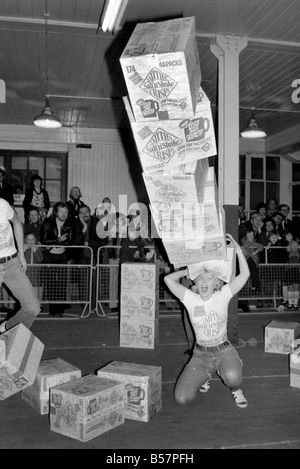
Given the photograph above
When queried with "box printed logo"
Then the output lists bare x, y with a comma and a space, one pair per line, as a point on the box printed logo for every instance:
162, 145
158, 84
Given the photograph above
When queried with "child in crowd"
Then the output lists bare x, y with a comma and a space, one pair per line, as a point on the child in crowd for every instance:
33, 255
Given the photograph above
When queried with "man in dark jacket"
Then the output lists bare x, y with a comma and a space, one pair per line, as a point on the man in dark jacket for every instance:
56, 232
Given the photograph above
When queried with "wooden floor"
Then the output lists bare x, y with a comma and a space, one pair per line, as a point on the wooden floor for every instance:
271, 420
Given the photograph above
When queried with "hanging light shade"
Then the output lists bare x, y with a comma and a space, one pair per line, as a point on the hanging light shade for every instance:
47, 120
252, 130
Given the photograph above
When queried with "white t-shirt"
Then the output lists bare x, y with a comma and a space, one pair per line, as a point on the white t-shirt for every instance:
7, 244
209, 318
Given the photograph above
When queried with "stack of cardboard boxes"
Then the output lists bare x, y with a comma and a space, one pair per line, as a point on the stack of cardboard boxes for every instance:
172, 125
139, 305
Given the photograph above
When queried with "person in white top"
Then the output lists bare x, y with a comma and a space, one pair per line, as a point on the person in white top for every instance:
13, 268
208, 311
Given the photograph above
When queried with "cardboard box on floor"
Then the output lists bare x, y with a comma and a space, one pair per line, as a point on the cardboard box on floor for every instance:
164, 145
280, 337
139, 333
161, 68
87, 407
143, 385
295, 368
23, 355
50, 373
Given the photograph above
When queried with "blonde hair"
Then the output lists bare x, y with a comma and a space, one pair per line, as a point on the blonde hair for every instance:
71, 192
218, 283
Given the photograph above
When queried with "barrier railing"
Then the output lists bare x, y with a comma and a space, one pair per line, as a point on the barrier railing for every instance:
69, 283
94, 283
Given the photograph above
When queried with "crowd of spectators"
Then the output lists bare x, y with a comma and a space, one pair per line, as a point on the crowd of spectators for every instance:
271, 236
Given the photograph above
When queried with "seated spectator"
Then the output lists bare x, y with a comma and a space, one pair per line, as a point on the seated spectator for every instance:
251, 249
262, 210
74, 203
137, 246
6, 191
33, 224
36, 196
271, 207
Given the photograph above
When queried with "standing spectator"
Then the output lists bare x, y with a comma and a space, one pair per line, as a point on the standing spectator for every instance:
262, 210
74, 203
272, 207
34, 223
276, 249
268, 227
13, 268
6, 191
33, 255
56, 232
36, 196
278, 217
287, 223
251, 250
255, 223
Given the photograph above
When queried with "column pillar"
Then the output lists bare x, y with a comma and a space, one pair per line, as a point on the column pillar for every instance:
227, 49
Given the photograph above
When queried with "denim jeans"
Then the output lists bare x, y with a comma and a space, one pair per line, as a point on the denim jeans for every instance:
200, 368
14, 277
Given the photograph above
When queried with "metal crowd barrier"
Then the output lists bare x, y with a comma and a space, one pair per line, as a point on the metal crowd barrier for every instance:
69, 284
108, 284
93, 284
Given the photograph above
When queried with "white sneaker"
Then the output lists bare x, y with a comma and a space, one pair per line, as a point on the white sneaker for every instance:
205, 387
239, 398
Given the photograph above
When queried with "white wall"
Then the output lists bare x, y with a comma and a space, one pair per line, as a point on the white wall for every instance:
110, 168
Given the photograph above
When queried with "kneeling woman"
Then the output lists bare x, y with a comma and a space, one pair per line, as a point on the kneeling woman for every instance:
208, 311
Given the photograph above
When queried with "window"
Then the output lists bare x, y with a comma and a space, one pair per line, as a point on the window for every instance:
259, 179
20, 166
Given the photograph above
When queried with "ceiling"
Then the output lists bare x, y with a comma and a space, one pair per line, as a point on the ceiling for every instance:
86, 84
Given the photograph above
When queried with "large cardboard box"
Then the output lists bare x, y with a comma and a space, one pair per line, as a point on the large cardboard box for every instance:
142, 386
139, 333
23, 355
161, 68
295, 368
2, 351
87, 407
139, 277
139, 305
50, 373
185, 205
166, 144
280, 337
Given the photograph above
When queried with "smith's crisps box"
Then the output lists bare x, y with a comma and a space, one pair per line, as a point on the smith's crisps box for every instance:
50, 373
139, 305
203, 246
184, 206
138, 333
87, 407
139, 277
295, 368
164, 145
142, 387
2, 351
161, 68
280, 337
23, 355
